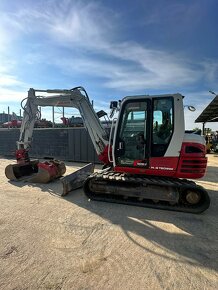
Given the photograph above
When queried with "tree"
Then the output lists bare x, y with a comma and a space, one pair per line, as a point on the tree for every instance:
196, 129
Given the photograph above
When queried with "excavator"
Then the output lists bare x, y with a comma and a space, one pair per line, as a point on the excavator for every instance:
148, 159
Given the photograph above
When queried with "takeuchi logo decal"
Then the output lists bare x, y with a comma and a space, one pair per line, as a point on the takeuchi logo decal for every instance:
141, 163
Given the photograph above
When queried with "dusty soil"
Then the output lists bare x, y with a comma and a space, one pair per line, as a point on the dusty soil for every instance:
49, 242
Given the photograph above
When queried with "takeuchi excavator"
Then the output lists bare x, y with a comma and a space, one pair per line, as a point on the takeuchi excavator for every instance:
148, 158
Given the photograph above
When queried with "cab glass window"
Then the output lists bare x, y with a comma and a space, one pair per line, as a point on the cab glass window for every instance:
162, 125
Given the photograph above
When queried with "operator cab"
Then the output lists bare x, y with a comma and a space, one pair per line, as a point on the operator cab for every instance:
144, 130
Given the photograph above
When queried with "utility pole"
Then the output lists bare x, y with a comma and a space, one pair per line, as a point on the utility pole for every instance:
53, 123
203, 128
8, 116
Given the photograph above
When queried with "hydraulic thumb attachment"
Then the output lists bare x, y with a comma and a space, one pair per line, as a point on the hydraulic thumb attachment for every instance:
76, 179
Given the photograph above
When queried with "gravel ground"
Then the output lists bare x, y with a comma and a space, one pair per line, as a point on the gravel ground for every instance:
49, 242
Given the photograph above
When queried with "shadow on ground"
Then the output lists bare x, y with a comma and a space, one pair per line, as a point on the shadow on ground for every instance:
194, 238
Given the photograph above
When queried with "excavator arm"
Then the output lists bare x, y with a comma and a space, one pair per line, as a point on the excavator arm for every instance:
46, 171
76, 98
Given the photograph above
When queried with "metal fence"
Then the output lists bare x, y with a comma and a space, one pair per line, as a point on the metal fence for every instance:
69, 144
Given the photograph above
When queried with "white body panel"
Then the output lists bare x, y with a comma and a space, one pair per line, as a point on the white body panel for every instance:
179, 128
194, 138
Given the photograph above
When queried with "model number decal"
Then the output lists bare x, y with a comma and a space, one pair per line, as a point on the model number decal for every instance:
161, 168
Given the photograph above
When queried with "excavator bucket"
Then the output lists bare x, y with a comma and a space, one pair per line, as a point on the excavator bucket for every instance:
76, 179
17, 172
44, 172
35, 171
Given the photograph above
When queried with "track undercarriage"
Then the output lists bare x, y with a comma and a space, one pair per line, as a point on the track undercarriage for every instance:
109, 186
150, 191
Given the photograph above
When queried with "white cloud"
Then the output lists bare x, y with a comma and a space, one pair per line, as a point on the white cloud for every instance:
8, 80
11, 88
131, 67
211, 72
11, 95
124, 65
91, 34
65, 22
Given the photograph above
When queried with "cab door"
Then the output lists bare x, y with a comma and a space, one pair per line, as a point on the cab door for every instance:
132, 143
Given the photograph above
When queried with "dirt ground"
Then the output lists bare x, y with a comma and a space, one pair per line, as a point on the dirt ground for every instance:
49, 242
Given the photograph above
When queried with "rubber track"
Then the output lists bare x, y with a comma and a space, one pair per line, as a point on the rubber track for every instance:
124, 179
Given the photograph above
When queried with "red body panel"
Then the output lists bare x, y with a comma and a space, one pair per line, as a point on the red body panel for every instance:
22, 156
159, 166
104, 155
192, 164
50, 167
187, 165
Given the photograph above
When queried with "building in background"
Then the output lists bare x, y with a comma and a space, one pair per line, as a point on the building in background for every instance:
4, 117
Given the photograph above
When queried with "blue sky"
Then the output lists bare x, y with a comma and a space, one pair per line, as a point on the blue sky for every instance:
112, 48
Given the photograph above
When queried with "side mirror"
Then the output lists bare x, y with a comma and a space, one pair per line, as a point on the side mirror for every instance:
191, 108
113, 105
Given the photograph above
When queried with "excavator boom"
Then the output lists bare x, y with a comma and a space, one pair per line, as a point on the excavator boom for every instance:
74, 98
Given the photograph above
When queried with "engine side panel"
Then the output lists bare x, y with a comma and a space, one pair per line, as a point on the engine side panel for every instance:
164, 166
192, 161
